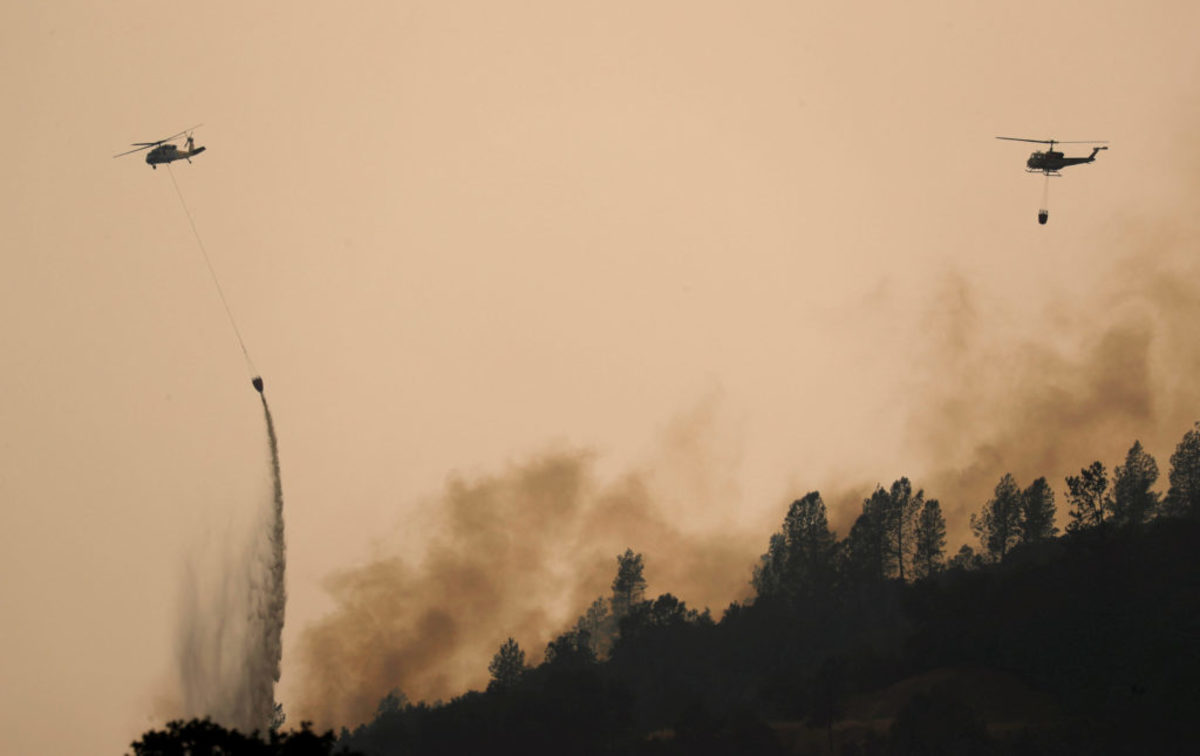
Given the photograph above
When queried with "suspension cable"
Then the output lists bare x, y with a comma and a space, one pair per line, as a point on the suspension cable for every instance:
212, 272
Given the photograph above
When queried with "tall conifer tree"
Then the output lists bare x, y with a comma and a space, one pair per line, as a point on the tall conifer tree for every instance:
1132, 500
998, 525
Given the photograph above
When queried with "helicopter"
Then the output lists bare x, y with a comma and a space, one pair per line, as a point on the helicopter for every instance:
1051, 162
163, 151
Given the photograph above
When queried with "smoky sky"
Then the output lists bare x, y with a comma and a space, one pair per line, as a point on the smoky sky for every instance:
455, 232
522, 552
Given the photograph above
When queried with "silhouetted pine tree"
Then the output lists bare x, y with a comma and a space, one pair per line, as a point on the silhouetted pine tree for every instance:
998, 526
628, 586
808, 547
1183, 497
1132, 500
507, 667
930, 538
1037, 512
767, 578
599, 625
900, 521
867, 545
1089, 497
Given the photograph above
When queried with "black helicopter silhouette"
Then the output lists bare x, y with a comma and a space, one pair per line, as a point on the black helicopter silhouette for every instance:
1051, 161
163, 152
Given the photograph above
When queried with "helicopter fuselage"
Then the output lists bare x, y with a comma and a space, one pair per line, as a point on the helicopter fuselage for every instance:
1052, 161
168, 153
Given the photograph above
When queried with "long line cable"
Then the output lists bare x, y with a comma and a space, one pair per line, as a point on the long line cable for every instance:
212, 272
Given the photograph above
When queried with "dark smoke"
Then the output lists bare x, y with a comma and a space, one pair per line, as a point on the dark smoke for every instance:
230, 630
1108, 365
522, 554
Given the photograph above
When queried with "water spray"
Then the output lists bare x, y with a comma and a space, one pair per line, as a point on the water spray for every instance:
231, 642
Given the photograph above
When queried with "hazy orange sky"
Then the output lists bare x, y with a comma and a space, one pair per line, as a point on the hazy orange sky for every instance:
460, 235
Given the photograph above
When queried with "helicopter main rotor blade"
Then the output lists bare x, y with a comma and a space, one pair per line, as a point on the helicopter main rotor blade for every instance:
1057, 141
137, 149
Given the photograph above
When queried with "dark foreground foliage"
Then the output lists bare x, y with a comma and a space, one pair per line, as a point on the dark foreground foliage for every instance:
203, 737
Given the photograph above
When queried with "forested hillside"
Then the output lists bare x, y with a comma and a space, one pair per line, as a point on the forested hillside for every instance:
1034, 641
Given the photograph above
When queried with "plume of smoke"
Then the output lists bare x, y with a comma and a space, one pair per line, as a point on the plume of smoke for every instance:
1108, 366
521, 553
231, 621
